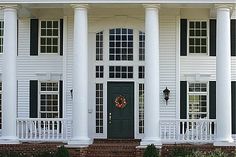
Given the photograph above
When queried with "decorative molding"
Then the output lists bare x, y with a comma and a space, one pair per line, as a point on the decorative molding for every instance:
224, 6
49, 76
9, 6
197, 77
80, 6
154, 6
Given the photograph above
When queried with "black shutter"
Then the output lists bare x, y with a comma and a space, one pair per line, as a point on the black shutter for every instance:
183, 99
233, 95
183, 37
183, 104
212, 99
34, 28
33, 99
233, 37
61, 99
212, 37
61, 37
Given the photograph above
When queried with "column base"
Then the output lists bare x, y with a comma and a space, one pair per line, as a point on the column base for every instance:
145, 142
9, 140
79, 143
223, 142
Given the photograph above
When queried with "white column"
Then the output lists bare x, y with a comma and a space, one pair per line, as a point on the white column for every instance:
9, 82
152, 75
80, 79
223, 77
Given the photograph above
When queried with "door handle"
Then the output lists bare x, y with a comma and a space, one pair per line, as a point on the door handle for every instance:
110, 118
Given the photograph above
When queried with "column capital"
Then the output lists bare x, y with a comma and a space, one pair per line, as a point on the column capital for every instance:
156, 6
10, 6
80, 6
223, 6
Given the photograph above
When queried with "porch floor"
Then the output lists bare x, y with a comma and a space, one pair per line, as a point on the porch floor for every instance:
110, 148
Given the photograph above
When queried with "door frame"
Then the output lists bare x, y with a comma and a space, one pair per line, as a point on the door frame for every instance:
134, 106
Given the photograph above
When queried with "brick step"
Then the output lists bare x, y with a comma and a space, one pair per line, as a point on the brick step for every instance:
113, 148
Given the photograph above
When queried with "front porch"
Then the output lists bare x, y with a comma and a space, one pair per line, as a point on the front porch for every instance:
171, 131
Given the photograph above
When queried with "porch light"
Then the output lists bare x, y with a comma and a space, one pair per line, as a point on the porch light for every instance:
71, 93
166, 93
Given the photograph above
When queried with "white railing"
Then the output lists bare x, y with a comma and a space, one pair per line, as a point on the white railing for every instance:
43, 129
188, 130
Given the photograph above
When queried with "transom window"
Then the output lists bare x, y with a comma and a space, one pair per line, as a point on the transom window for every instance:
121, 44
1, 36
49, 100
197, 101
120, 72
198, 37
49, 36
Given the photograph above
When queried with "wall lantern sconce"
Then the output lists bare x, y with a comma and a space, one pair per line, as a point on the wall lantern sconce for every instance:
166, 93
71, 93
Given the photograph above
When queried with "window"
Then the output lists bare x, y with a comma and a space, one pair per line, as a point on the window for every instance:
49, 100
49, 36
141, 46
121, 44
99, 71
198, 37
120, 72
99, 46
141, 70
141, 108
197, 101
1, 36
99, 108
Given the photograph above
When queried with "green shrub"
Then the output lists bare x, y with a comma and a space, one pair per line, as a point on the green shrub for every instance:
151, 151
62, 152
215, 153
181, 152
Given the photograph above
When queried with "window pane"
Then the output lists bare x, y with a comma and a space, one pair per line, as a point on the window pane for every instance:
119, 43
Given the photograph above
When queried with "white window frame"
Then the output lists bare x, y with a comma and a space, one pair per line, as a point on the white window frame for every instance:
58, 37
198, 93
207, 38
1, 37
48, 92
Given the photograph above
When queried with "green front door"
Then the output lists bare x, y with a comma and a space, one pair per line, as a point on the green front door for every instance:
120, 110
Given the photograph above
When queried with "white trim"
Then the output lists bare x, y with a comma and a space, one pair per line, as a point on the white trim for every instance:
116, 1
177, 71
106, 63
64, 73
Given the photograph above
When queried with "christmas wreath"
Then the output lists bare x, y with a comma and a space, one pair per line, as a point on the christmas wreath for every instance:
120, 102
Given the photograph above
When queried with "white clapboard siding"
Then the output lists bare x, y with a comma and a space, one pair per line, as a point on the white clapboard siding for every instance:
168, 65
233, 68
202, 65
28, 66
69, 63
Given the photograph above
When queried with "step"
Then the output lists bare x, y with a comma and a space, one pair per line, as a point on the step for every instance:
113, 148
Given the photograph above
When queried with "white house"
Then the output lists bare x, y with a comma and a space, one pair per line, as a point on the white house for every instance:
78, 70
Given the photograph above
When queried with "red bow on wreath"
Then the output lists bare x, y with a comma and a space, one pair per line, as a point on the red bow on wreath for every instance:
120, 102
